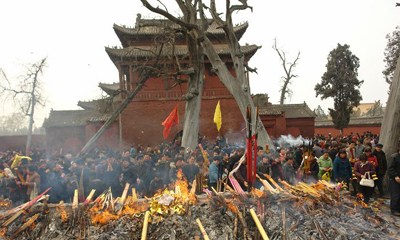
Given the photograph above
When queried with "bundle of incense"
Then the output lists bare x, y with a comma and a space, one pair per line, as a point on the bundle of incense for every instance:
236, 185
75, 201
202, 230
89, 197
145, 224
258, 224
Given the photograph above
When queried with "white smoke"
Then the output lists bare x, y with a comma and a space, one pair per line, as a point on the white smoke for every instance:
290, 141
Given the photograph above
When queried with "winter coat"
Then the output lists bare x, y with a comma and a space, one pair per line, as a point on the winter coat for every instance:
342, 169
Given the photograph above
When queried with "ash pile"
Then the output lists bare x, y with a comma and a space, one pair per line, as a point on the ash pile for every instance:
317, 211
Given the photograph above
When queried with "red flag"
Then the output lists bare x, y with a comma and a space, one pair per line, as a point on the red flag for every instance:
170, 121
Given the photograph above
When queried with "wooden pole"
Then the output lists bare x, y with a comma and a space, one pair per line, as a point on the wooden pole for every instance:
145, 225
202, 230
258, 224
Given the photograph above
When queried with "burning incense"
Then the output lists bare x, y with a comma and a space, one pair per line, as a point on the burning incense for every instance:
202, 230
258, 224
90, 196
145, 224
75, 201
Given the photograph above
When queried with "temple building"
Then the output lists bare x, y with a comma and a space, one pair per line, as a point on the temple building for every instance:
140, 122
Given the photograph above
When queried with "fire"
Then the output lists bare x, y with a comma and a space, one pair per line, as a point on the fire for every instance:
61, 210
4, 204
103, 218
3, 231
360, 200
162, 204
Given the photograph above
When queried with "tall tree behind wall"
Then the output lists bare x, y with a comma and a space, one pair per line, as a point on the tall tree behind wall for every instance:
27, 93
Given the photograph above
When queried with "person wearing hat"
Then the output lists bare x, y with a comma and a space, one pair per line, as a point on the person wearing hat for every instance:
342, 168
214, 173
381, 168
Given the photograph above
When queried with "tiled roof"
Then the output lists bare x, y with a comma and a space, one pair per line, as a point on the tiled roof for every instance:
353, 121
73, 118
291, 110
67, 118
147, 51
155, 26
109, 88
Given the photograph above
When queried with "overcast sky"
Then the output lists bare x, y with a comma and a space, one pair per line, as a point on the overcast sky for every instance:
73, 34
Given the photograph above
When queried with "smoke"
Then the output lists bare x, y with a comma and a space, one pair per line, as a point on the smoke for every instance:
290, 141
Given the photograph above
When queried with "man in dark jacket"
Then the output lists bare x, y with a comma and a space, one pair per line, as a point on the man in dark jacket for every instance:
394, 183
381, 168
342, 168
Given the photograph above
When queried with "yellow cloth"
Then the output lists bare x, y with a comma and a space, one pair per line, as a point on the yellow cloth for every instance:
218, 116
17, 160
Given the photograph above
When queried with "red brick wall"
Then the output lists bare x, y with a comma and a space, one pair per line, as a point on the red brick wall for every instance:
110, 138
376, 129
141, 121
70, 139
300, 126
18, 142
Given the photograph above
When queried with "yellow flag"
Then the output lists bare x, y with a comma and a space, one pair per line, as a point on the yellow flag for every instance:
218, 116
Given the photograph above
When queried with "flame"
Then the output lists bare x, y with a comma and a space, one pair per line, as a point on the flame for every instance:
3, 231
162, 204
61, 210
5, 204
360, 200
102, 218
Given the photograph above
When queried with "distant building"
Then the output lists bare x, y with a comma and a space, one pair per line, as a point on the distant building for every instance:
367, 117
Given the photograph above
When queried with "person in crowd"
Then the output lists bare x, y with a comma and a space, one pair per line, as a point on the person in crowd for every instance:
58, 184
360, 169
298, 156
310, 169
32, 182
289, 173
214, 173
325, 165
190, 170
394, 183
342, 170
111, 175
128, 173
317, 149
381, 168
264, 166
156, 184
175, 167
351, 152
333, 150
359, 148
163, 166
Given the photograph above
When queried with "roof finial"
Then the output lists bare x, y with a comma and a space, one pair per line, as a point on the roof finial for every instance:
138, 17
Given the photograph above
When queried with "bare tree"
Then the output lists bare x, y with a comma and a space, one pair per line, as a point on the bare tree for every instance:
287, 67
237, 85
27, 94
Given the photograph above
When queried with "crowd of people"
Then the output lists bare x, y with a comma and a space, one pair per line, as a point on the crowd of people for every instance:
344, 160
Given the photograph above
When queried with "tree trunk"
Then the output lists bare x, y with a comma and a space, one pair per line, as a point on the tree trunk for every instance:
283, 92
241, 92
31, 114
193, 100
390, 131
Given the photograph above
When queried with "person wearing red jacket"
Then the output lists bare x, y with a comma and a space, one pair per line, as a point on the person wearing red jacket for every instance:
360, 168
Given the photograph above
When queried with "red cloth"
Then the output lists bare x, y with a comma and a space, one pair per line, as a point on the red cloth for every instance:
170, 121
